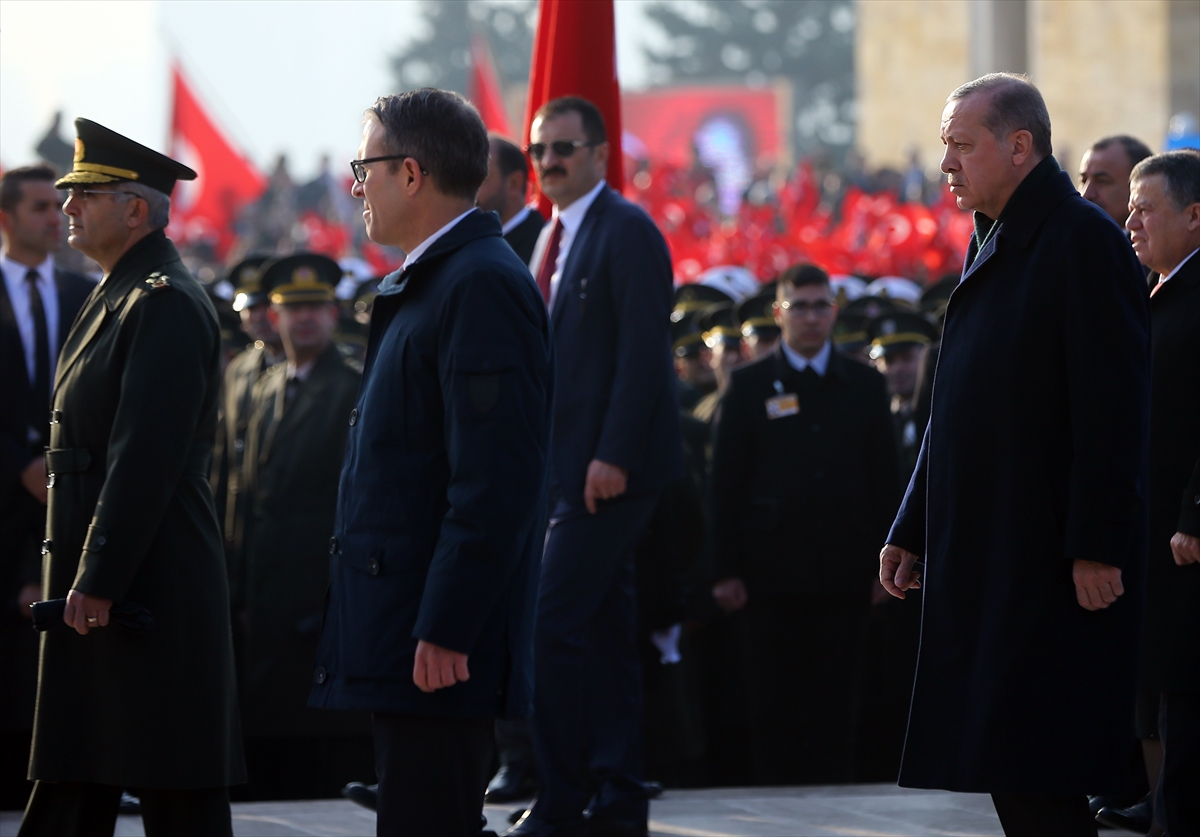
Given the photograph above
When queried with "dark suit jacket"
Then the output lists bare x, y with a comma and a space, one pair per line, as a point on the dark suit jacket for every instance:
1035, 455
131, 518
800, 503
614, 378
441, 507
1171, 648
523, 237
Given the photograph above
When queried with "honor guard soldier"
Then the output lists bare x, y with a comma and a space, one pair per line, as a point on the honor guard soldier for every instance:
724, 341
897, 342
850, 331
131, 533
755, 317
692, 357
295, 439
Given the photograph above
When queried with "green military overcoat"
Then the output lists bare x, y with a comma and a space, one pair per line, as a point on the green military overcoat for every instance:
131, 518
294, 451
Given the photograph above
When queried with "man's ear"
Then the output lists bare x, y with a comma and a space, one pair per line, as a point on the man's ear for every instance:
1022, 146
1193, 217
137, 212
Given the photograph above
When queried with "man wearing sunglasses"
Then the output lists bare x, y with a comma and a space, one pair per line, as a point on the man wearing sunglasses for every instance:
131, 523
604, 271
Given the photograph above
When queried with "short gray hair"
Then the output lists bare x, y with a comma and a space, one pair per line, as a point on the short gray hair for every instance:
1014, 104
159, 203
1180, 171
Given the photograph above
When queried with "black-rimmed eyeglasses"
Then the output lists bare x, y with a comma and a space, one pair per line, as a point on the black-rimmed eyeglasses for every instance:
561, 148
359, 167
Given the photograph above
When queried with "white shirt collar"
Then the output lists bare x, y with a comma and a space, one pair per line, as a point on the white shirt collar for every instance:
515, 221
819, 363
1181, 264
420, 249
572, 216
16, 270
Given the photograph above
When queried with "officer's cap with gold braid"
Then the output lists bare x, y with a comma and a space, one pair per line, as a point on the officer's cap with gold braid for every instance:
756, 315
246, 278
104, 156
899, 329
301, 277
689, 298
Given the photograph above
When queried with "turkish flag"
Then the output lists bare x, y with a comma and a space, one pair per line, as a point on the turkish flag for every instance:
484, 90
204, 209
575, 54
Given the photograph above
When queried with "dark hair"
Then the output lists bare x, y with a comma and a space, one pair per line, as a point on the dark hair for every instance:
801, 275
442, 131
1180, 171
593, 121
1135, 149
509, 158
1014, 104
10, 183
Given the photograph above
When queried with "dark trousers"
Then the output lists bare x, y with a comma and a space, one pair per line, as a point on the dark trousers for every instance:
513, 742
86, 809
432, 774
587, 680
1177, 799
1043, 815
802, 669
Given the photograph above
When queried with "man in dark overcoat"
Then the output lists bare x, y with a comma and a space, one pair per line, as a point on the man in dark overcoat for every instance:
604, 271
38, 302
804, 483
295, 441
131, 522
441, 506
1165, 223
504, 191
1028, 503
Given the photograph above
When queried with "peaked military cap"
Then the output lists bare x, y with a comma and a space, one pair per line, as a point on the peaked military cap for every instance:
104, 156
898, 330
717, 323
246, 280
756, 315
689, 298
850, 330
686, 337
301, 277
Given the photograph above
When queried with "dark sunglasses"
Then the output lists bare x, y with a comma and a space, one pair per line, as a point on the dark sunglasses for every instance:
359, 167
561, 148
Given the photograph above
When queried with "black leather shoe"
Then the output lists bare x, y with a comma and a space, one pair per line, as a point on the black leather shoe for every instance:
653, 789
531, 826
1135, 818
365, 795
511, 782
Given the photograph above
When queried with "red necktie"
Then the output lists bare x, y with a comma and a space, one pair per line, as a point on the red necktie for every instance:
549, 261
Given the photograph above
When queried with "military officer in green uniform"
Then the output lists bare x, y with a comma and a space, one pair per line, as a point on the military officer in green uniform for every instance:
897, 342
131, 521
295, 439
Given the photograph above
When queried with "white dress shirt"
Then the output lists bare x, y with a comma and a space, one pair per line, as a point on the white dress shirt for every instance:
420, 249
571, 218
1175, 269
819, 362
18, 295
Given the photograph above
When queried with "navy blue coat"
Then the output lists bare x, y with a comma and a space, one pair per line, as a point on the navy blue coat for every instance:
1035, 455
441, 506
614, 380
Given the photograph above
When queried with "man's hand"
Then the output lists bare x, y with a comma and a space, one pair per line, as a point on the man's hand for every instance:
29, 594
730, 594
34, 479
84, 612
1186, 549
896, 572
604, 482
1096, 585
436, 667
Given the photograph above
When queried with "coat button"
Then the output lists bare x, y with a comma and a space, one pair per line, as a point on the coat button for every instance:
101, 541
50, 481
333, 546
354, 417
320, 675
239, 445
373, 566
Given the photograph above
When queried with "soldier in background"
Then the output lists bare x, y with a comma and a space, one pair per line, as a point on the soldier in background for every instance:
897, 342
724, 340
295, 438
756, 318
693, 359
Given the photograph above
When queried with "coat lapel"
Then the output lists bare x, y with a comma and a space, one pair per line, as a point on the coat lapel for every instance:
86, 326
578, 245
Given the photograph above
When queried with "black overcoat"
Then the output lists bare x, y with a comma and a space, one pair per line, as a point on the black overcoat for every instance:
1035, 456
1171, 649
131, 518
442, 501
290, 480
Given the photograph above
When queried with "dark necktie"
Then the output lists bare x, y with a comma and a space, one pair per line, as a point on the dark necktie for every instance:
289, 393
41, 350
549, 260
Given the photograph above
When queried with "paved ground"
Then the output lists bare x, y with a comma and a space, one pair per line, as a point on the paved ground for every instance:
868, 810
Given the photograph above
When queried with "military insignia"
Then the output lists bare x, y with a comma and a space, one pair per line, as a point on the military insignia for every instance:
156, 280
79, 150
304, 276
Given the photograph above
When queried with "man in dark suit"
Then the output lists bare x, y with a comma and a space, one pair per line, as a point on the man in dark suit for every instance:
131, 522
504, 191
38, 302
804, 482
295, 440
604, 271
441, 507
1165, 222
1028, 502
